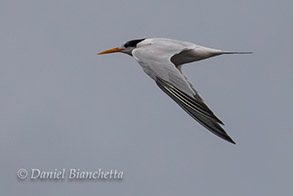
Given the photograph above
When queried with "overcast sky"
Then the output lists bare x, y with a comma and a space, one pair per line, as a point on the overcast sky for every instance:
63, 107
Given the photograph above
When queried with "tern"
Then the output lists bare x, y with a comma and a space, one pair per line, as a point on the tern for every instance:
162, 60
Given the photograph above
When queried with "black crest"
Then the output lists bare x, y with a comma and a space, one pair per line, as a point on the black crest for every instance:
132, 43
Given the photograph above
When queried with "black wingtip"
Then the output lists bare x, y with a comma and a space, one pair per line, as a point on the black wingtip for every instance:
222, 135
228, 139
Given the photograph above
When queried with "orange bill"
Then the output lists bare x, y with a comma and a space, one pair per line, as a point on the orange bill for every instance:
110, 51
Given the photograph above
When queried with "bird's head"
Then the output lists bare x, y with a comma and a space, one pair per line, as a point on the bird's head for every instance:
125, 48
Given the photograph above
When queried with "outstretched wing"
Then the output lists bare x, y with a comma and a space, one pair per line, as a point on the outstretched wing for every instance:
197, 109
156, 62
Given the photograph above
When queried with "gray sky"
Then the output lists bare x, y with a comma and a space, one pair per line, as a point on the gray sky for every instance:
61, 106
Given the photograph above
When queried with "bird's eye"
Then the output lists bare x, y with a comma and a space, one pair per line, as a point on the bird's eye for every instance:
126, 45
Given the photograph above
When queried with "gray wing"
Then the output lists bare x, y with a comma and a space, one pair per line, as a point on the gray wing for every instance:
196, 108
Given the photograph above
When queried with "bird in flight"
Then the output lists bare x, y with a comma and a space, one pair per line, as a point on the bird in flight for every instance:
162, 60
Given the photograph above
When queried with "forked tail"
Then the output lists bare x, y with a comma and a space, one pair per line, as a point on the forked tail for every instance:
229, 52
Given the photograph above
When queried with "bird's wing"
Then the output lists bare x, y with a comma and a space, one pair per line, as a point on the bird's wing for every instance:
170, 79
194, 109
